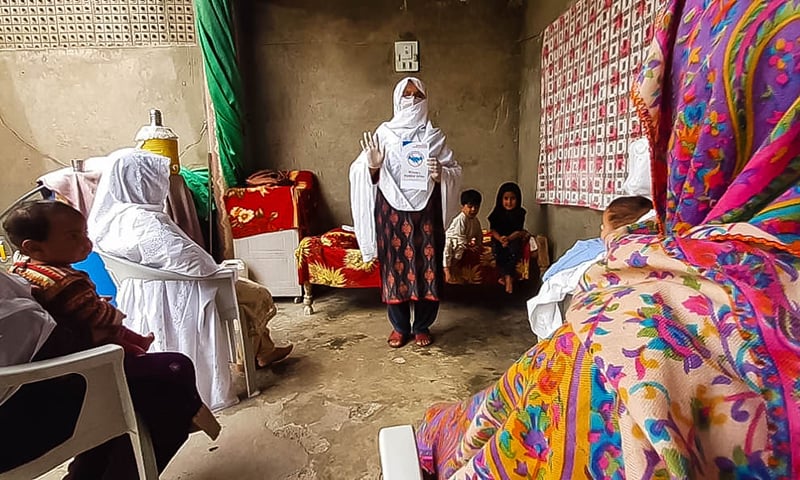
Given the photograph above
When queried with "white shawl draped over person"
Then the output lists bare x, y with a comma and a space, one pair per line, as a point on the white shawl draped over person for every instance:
127, 221
404, 227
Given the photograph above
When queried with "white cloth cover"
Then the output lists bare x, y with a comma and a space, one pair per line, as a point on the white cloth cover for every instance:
544, 314
638, 181
127, 221
409, 123
24, 325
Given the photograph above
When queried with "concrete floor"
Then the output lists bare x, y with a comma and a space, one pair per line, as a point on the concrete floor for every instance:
319, 412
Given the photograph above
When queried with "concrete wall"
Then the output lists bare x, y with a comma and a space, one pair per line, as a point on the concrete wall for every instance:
562, 225
318, 73
56, 105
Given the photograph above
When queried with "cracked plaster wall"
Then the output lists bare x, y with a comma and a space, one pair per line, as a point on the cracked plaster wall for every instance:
56, 105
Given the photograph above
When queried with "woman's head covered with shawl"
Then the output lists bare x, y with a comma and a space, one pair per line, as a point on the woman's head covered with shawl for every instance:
127, 218
409, 111
725, 131
134, 178
722, 113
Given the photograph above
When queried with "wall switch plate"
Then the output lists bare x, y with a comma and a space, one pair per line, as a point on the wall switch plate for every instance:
406, 56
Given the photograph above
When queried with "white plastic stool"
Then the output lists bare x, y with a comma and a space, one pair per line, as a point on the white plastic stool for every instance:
398, 449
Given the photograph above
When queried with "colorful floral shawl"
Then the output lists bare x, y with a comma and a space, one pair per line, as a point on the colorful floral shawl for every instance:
680, 357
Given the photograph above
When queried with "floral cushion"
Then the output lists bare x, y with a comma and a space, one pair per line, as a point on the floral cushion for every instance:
263, 209
334, 259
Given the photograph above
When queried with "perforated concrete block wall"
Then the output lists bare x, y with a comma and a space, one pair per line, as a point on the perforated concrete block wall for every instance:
45, 24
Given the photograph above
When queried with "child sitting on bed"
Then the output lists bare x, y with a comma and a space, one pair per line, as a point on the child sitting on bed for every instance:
464, 231
52, 236
507, 222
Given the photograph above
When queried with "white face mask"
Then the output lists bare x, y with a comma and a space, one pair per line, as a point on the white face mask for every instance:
409, 101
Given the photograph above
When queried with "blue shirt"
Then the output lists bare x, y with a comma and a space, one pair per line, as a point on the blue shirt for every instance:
582, 251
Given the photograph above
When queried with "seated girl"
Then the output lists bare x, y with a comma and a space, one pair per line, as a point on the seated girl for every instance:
507, 225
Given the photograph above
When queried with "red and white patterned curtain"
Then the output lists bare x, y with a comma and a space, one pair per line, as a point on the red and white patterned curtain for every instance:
590, 58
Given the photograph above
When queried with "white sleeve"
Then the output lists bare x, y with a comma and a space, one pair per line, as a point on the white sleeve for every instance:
451, 185
24, 325
362, 207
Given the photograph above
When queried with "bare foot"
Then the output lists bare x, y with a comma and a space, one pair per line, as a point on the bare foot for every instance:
423, 339
509, 283
278, 354
204, 420
148, 340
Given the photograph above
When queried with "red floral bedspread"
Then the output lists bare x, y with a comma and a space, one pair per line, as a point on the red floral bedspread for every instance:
255, 210
333, 259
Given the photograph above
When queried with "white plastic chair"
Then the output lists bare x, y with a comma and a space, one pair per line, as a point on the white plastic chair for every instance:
226, 302
107, 411
398, 449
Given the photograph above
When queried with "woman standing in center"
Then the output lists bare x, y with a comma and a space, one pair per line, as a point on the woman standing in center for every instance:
401, 225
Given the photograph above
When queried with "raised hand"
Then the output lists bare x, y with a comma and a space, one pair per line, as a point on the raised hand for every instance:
372, 148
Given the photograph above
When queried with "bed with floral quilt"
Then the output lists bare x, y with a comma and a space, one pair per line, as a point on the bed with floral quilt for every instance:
334, 260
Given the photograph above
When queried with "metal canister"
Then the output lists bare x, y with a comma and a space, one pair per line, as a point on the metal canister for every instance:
5, 251
159, 139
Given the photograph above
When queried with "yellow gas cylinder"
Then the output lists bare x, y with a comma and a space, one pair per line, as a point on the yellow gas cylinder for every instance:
159, 139
4, 253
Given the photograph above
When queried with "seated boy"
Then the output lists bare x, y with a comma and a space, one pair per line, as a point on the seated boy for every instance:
52, 236
464, 231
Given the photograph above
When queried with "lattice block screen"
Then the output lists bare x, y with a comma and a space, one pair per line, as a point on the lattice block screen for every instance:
590, 57
39, 24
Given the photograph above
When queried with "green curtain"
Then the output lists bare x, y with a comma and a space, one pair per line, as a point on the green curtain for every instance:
197, 182
215, 32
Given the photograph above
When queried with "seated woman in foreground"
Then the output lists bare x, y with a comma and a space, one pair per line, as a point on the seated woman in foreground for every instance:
681, 353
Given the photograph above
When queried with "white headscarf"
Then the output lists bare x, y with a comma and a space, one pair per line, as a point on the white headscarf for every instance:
408, 118
409, 123
133, 179
127, 218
